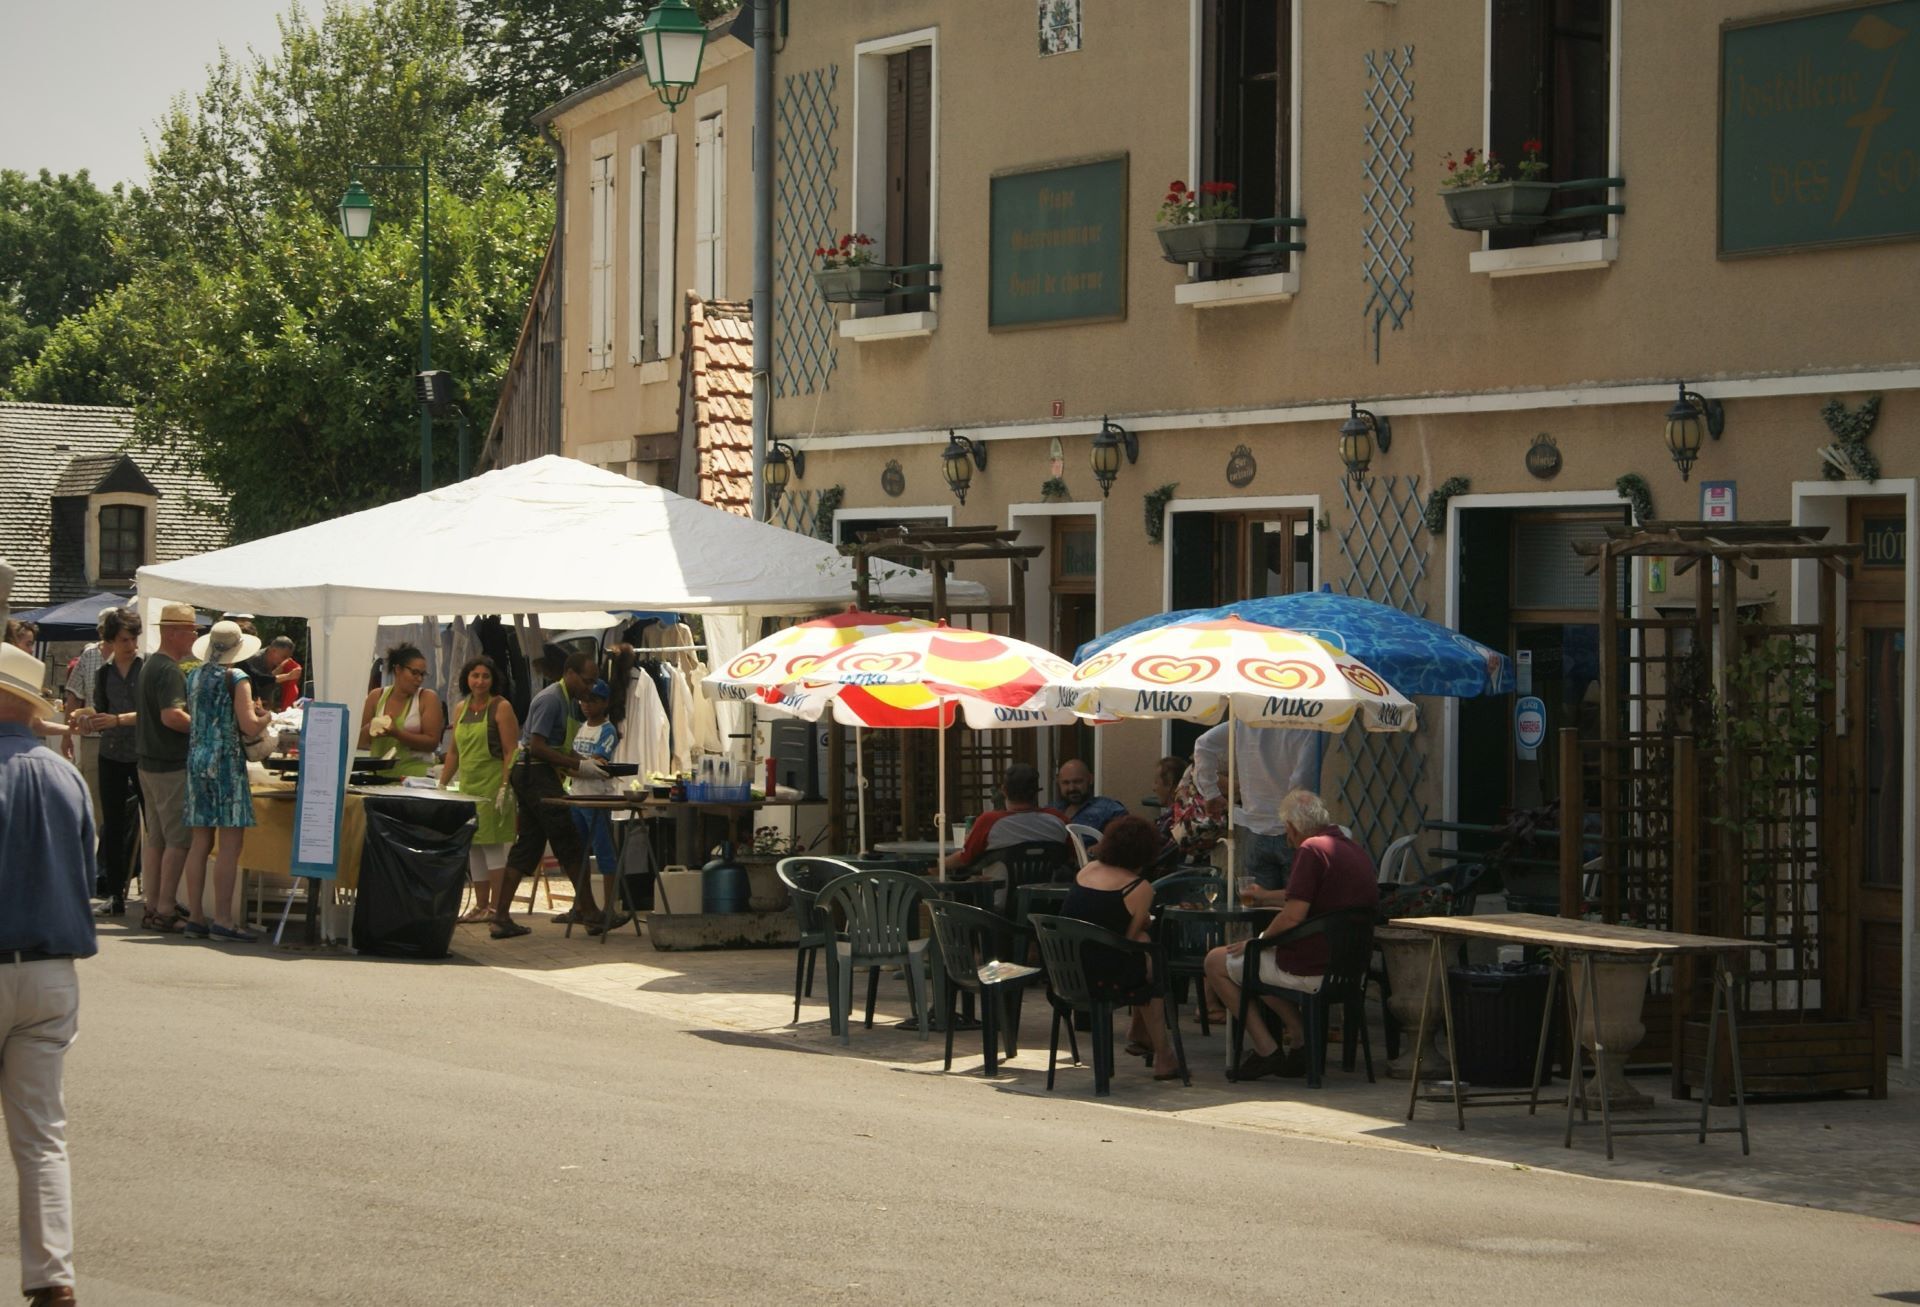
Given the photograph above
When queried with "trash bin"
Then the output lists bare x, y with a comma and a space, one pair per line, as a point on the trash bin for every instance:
413, 870
1496, 1021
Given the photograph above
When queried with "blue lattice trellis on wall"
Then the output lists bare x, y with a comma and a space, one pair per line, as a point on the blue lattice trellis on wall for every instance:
1383, 542
1386, 200
809, 205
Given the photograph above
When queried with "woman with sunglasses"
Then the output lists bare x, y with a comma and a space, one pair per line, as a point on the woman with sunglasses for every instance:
405, 719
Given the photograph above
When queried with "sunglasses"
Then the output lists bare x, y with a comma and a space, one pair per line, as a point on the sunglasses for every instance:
417, 671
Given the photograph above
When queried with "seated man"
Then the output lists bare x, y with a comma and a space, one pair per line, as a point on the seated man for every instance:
1020, 822
1330, 872
1078, 805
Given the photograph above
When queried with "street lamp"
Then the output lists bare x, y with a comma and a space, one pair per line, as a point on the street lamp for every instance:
1689, 415
672, 41
1107, 448
958, 460
1358, 435
784, 462
356, 224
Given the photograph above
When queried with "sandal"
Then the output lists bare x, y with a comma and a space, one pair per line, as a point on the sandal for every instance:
165, 924
1137, 1049
509, 930
472, 915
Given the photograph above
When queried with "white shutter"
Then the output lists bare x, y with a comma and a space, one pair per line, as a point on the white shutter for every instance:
669, 228
636, 214
705, 141
600, 268
717, 210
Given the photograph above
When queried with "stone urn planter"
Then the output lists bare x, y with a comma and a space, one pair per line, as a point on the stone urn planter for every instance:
866, 284
1217, 240
766, 892
1405, 953
1503, 204
1620, 996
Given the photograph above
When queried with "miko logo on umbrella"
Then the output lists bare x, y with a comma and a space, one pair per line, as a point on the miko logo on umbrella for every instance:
1094, 666
1162, 669
1363, 678
1282, 674
877, 663
749, 665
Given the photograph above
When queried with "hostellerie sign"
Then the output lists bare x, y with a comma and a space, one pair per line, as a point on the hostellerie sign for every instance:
1059, 244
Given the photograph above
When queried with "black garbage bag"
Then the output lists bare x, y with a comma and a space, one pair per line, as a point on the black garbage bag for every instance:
413, 869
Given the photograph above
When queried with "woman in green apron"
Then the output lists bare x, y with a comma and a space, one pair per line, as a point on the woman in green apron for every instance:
485, 735
405, 719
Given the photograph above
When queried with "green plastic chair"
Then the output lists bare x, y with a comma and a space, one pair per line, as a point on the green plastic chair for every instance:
1064, 945
970, 938
1186, 943
879, 911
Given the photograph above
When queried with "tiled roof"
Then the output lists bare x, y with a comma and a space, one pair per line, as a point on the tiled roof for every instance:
720, 359
95, 473
47, 449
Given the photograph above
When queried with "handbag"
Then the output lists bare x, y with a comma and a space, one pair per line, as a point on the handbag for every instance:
260, 747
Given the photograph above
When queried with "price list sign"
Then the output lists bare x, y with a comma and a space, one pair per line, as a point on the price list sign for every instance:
322, 791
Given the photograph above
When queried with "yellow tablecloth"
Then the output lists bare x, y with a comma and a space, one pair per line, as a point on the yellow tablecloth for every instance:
268, 851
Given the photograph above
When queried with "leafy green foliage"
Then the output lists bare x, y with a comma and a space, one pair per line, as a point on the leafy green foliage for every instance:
57, 256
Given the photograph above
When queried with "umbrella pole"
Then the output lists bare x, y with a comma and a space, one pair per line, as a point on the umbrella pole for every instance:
860, 787
940, 797
1233, 788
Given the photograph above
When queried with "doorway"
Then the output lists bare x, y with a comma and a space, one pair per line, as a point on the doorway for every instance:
1878, 719
1073, 617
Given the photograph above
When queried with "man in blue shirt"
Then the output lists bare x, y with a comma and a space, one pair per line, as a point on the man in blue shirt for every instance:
46, 921
546, 755
1078, 805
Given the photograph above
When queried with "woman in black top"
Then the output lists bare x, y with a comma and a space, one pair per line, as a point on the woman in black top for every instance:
112, 718
1111, 892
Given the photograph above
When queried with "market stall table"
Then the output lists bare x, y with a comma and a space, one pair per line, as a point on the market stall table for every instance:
1567, 939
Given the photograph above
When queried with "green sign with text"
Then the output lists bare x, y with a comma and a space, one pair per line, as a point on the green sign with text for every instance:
1820, 129
1059, 245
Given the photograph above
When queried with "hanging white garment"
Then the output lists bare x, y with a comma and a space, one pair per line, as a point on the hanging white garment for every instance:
706, 717
682, 720
645, 734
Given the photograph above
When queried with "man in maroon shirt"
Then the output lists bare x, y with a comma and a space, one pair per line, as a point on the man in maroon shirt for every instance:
1330, 872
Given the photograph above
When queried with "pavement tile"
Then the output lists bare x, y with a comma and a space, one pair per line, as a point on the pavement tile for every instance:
1829, 1153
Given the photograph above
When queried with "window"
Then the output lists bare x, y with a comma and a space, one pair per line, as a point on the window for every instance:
909, 230
710, 207
1549, 80
123, 541
1222, 557
650, 235
1246, 115
600, 268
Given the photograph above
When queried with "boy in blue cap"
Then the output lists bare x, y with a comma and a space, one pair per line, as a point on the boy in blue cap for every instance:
597, 740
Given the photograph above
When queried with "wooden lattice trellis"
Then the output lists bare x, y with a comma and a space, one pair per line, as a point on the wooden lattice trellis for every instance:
809, 118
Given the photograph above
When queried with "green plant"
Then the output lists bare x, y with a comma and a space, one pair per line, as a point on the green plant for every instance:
1848, 458
823, 510
1053, 489
1477, 168
768, 841
1633, 488
1435, 512
1770, 725
1156, 506
853, 250
1214, 200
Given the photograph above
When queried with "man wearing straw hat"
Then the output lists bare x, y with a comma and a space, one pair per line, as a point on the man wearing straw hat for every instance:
160, 744
46, 921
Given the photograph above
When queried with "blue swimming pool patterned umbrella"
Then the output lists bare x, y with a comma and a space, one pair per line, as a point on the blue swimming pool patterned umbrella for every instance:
1416, 656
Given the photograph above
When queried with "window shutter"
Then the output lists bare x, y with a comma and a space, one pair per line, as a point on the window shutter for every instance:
600, 269
897, 97
919, 172
707, 201
636, 283
669, 228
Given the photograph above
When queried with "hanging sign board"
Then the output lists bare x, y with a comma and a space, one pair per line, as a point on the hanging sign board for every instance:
1820, 128
1529, 726
320, 798
1058, 244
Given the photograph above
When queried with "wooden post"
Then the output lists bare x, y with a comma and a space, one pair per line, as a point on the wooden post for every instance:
1730, 897
835, 784
1833, 833
862, 583
1612, 818
1572, 824
1685, 883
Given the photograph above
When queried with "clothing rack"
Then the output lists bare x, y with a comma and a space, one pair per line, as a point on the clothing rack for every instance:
642, 650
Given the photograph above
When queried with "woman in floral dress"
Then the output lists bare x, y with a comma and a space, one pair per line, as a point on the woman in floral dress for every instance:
220, 702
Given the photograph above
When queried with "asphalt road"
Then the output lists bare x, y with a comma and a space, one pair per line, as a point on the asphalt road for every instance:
253, 1127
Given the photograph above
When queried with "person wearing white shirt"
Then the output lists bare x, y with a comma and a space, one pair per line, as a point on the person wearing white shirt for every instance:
1270, 762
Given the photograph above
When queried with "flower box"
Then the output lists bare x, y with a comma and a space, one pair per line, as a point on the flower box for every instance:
1499, 205
864, 284
1212, 240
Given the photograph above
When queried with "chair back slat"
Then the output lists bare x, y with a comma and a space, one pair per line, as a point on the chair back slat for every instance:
969, 937
805, 876
1060, 955
1349, 935
1032, 863
879, 909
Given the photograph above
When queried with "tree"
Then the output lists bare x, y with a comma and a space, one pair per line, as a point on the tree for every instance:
526, 55
58, 254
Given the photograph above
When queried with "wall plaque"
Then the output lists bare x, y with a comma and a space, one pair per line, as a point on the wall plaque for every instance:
1241, 467
1058, 244
892, 480
1543, 457
1820, 128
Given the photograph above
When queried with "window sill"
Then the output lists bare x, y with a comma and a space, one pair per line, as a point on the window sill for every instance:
1273, 288
653, 372
889, 326
1573, 256
599, 378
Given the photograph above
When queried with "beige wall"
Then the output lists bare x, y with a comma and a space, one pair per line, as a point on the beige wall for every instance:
605, 410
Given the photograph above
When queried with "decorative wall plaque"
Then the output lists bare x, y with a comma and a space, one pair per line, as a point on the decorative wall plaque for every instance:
1543, 457
1241, 467
892, 480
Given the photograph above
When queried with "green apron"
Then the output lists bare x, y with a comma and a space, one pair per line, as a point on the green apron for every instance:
566, 740
481, 776
387, 746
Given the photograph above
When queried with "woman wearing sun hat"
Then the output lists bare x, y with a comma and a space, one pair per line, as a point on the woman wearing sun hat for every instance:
220, 700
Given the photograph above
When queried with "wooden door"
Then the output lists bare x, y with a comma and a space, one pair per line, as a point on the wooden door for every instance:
1878, 718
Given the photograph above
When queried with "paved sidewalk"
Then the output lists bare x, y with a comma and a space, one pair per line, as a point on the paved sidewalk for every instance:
1845, 1154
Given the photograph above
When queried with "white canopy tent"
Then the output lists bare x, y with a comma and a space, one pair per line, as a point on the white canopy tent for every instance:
552, 534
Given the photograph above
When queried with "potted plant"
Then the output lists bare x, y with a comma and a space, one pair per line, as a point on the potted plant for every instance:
1480, 197
848, 273
1202, 225
765, 890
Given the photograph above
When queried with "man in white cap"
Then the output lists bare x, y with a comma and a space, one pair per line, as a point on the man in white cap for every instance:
46, 922
160, 744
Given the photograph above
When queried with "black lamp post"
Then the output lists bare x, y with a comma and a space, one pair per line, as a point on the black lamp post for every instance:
1689, 416
958, 461
1112, 441
356, 224
784, 462
672, 42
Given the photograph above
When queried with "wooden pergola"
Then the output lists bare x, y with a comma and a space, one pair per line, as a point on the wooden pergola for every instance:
938, 550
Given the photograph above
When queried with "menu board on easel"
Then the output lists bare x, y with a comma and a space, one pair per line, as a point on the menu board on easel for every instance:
321, 796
